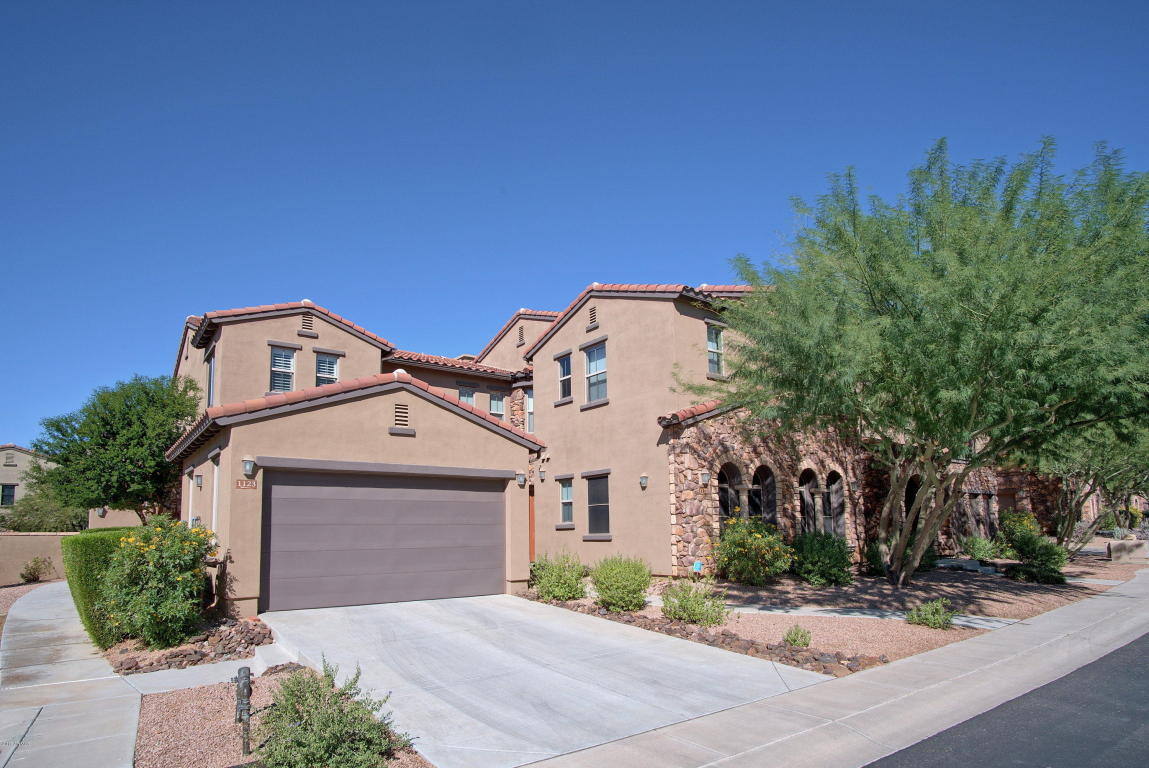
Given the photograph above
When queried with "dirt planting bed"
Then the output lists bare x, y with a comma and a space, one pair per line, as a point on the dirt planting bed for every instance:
196, 727
222, 640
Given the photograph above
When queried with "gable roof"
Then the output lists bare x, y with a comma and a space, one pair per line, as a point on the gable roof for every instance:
216, 418
22, 449
420, 359
647, 290
206, 325
694, 413
522, 314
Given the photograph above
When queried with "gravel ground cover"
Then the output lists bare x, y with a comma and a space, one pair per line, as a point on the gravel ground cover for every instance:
196, 727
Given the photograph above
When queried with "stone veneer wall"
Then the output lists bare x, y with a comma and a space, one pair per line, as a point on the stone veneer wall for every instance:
734, 438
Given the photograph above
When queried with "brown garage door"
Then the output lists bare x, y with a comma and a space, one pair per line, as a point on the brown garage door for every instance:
345, 539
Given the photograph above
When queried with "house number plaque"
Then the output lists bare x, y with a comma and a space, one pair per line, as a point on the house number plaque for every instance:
248, 484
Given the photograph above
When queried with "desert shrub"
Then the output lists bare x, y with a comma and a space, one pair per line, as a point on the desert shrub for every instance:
558, 578
797, 636
36, 569
621, 583
1135, 517
1118, 532
314, 721
153, 586
979, 548
86, 558
39, 510
751, 552
934, 613
1013, 524
874, 565
822, 559
695, 603
1041, 559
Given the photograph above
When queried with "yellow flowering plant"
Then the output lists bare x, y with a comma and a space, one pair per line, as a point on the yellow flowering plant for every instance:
154, 584
751, 552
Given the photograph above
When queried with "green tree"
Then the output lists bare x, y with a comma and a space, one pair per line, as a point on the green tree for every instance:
994, 307
110, 453
40, 510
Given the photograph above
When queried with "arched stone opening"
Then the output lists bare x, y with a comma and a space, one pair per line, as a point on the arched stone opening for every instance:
807, 501
834, 505
729, 501
763, 495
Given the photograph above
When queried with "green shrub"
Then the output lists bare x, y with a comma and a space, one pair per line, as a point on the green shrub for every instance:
1041, 559
621, 583
695, 603
979, 548
751, 552
1135, 517
822, 559
797, 637
560, 578
154, 583
86, 558
36, 569
876, 566
935, 613
1013, 524
313, 721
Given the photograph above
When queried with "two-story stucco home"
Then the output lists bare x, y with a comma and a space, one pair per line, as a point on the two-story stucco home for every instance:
15, 460
337, 469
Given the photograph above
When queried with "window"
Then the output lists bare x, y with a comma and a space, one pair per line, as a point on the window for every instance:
530, 397
497, 404
598, 505
596, 373
7, 495
467, 395
714, 350
9, 459
566, 501
211, 379
763, 496
326, 369
564, 377
282, 369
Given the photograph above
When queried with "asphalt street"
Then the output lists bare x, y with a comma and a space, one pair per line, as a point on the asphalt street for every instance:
1095, 716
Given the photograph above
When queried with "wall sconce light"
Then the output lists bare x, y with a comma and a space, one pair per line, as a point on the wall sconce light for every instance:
642, 481
521, 479
705, 477
102, 512
199, 481
542, 475
249, 467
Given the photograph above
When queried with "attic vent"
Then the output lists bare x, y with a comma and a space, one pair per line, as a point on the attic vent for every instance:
402, 415
592, 315
307, 322
521, 338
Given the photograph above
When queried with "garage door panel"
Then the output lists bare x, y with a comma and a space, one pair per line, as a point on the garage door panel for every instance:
335, 540
324, 512
309, 538
378, 562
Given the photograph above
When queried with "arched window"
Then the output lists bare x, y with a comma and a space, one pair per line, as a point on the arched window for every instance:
763, 499
807, 504
729, 478
834, 505
912, 488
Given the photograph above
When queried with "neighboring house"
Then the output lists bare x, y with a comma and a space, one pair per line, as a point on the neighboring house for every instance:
338, 469
15, 460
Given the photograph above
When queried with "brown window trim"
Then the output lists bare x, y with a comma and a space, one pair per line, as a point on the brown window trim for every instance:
564, 401
592, 343
598, 537
284, 344
401, 431
592, 327
595, 404
567, 476
326, 351
564, 526
590, 474
307, 334
718, 376
564, 353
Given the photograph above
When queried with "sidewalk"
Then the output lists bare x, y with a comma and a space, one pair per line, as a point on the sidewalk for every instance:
60, 703
855, 720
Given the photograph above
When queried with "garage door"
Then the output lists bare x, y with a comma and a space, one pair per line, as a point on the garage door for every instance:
345, 539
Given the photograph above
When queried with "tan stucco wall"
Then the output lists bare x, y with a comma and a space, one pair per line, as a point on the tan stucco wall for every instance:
14, 462
243, 356
507, 352
115, 518
449, 382
349, 431
192, 363
16, 549
645, 339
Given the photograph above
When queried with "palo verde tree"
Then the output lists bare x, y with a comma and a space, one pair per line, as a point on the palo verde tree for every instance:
994, 307
110, 453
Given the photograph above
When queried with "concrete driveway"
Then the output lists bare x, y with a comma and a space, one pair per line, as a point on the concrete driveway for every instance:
499, 681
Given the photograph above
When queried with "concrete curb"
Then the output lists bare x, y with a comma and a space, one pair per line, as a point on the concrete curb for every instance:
855, 720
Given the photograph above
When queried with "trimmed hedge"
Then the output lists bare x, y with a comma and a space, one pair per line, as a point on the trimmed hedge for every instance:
86, 558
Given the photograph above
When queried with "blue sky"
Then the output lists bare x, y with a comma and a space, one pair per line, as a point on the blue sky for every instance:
427, 168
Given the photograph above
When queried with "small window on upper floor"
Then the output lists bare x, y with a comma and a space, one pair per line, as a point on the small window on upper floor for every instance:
326, 369
564, 376
9, 459
522, 336
566, 501
497, 408
282, 369
596, 373
467, 395
530, 408
714, 352
211, 379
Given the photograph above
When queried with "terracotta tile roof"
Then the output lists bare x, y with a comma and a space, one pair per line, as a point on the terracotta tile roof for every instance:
219, 314
664, 289
694, 411
531, 314
211, 416
418, 358
13, 446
